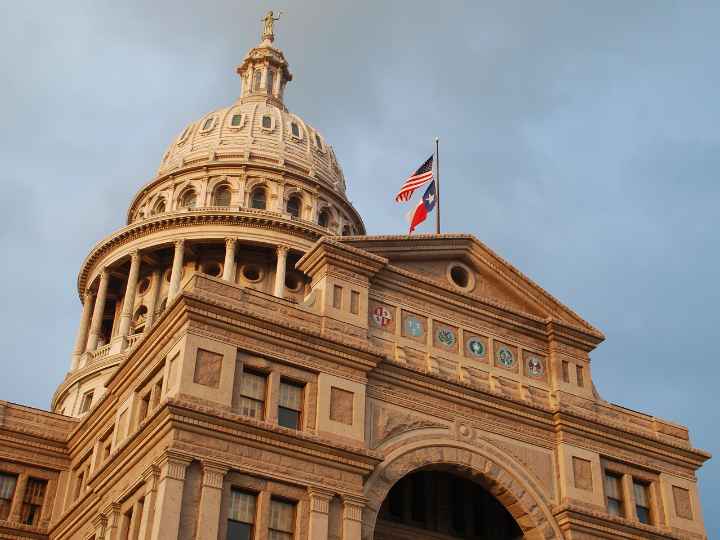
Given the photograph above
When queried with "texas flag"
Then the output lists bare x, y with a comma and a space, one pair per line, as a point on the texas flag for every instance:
424, 207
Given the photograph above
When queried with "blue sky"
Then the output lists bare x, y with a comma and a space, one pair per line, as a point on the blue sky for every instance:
579, 140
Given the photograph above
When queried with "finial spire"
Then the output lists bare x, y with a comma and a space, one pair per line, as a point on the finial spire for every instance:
268, 22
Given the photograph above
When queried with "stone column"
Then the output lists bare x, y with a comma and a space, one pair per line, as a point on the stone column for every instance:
151, 480
319, 510
230, 264
153, 298
352, 517
166, 521
82, 335
280, 271
208, 521
98, 311
112, 530
177, 267
129, 300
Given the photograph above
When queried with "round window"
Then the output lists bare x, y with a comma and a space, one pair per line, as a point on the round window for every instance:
168, 274
212, 268
252, 273
461, 276
293, 282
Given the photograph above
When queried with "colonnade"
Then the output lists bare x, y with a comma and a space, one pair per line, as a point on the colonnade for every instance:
90, 328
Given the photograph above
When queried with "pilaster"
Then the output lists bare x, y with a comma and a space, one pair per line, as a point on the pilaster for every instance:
208, 523
319, 510
166, 521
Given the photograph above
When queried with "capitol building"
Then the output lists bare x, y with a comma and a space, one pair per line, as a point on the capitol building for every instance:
250, 365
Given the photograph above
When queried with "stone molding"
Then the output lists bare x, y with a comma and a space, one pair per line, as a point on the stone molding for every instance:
353, 507
319, 500
213, 474
173, 465
504, 478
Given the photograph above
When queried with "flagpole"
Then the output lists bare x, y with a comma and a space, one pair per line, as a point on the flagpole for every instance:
437, 185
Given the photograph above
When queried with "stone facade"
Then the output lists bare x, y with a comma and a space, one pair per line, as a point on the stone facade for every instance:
244, 343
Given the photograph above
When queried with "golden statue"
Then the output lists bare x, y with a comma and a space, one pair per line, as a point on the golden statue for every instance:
269, 21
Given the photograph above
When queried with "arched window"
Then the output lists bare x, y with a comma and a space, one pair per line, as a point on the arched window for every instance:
324, 218
270, 81
159, 206
266, 122
256, 80
346, 230
295, 129
188, 199
221, 196
293, 206
258, 198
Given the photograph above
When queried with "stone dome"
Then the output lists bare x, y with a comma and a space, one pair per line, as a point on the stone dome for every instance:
257, 130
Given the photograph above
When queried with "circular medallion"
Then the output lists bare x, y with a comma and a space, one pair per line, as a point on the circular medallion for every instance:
476, 347
446, 337
413, 327
381, 316
505, 357
535, 366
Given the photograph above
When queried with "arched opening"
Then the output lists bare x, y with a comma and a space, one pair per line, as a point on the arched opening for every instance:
293, 206
324, 218
159, 206
258, 198
138, 323
221, 195
188, 199
443, 502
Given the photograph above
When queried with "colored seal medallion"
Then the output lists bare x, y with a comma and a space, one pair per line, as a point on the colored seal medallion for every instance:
505, 357
382, 316
446, 337
476, 347
413, 327
534, 366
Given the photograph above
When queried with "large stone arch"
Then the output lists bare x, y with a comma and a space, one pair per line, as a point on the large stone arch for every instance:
499, 473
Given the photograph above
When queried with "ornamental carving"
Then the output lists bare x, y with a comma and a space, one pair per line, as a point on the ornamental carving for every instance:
388, 423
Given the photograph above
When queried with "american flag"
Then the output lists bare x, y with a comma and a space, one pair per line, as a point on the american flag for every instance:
420, 177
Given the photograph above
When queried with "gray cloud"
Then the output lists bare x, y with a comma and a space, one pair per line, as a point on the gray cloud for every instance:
579, 140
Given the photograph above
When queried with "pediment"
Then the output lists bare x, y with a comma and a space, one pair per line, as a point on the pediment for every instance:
444, 258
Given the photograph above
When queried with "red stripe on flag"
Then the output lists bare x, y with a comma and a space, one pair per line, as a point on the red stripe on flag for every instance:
418, 216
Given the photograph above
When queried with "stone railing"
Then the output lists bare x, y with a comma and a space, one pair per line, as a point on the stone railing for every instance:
133, 339
100, 352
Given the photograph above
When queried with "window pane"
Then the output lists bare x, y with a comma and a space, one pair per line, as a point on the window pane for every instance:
253, 386
270, 81
266, 122
291, 396
252, 408
7, 485
643, 514
288, 418
641, 497
295, 129
242, 506
612, 487
236, 120
614, 507
282, 516
279, 535
238, 531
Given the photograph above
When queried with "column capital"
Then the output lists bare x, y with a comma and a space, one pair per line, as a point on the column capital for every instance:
179, 243
213, 473
320, 499
112, 514
229, 241
172, 465
282, 249
353, 507
88, 295
150, 476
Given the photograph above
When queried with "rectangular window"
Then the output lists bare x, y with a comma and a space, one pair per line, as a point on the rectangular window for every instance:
33, 501
79, 484
86, 402
236, 120
642, 501
290, 404
580, 380
613, 494
241, 517
106, 445
337, 297
252, 395
566, 371
7, 490
282, 520
354, 302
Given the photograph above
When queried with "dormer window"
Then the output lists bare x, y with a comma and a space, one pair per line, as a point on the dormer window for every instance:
318, 142
208, 124
266, 122
236, 120
295, 129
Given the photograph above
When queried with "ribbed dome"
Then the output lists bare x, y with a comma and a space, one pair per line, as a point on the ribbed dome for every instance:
259, 131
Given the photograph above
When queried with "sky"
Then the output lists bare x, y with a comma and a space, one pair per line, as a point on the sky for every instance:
578, 140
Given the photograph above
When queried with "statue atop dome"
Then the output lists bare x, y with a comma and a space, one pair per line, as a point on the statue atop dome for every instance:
268, 23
